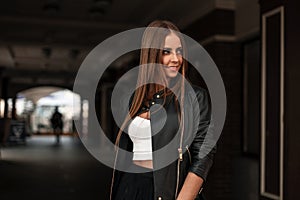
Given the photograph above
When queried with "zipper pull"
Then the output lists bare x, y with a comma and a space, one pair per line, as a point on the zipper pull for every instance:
180, 154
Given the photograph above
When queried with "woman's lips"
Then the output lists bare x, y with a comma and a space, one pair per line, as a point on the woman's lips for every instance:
173, 68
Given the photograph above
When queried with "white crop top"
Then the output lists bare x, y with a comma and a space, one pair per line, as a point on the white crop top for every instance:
139, 131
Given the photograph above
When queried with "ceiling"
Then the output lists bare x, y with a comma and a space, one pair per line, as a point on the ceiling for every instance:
56, 35
43, 42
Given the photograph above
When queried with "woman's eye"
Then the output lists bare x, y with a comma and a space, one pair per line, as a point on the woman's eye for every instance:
179, 51
166, 52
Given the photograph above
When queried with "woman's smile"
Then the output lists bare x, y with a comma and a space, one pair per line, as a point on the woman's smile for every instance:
172, 55
173, 68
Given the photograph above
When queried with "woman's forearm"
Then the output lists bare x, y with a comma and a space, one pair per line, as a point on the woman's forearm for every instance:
191, 187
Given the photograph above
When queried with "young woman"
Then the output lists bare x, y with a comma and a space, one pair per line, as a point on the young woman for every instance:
165, 100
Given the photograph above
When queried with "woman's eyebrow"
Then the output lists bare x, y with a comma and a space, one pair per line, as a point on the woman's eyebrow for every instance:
169, 48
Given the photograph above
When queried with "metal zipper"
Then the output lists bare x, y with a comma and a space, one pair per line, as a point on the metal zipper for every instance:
190, 157
177, 182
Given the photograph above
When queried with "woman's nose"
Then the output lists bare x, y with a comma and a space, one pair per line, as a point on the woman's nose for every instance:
174, 57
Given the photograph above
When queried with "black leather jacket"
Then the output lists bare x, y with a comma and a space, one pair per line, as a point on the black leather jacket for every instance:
197, 155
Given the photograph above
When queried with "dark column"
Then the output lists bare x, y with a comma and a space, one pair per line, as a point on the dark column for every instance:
79, 123
5, 122
1, 95
272, 100
292, 98
14, 109
5, 82
226, 54
280, 163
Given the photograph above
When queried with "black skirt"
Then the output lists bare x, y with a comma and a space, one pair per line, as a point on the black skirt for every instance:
135, 186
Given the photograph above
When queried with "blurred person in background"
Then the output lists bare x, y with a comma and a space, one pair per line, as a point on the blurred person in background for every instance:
57, 124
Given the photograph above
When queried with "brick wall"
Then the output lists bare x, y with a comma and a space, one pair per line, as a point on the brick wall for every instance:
227, 58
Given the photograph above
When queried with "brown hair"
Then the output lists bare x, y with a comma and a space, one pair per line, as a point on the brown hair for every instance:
154, 36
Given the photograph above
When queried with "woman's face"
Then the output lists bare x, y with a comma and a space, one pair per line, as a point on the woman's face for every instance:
172, 55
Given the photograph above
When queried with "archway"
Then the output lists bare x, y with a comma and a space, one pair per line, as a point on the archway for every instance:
44, 100
30, 112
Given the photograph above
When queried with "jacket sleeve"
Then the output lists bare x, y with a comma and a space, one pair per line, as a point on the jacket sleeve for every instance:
203, 146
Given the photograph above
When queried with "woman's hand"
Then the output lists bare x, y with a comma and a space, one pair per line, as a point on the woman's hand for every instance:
191, 187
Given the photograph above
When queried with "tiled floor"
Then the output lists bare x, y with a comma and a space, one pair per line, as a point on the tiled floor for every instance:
42, 169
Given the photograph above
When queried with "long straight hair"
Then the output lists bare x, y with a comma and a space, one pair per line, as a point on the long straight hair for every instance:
149, 58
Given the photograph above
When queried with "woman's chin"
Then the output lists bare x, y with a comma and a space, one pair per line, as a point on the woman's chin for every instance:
172, 74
